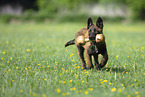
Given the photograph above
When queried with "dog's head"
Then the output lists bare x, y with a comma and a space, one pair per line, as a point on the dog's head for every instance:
93, 30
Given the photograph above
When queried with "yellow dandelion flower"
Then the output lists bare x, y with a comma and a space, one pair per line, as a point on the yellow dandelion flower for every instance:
70, 89
39, 64
71, 55
101, 82
138, 96
83, 81
26, 69
34, 94
100, 79
20, 96
117, 57
74, 88
128, 95
105, 81
11, 58
17, 67
73, 60
7, 42
13, 80
109, 83
45, 79
30, 92
70, 81
2, 58
4, 52
86, 92
63, 94
142, 48
119, 90
21, 91
137, 92
64, 82
58, 90
67, 93
134, 79
48, 66
78, 67
125, 93
44, 95
22, 79
28, 50
91, 89
113, 89
132, 84
8, 62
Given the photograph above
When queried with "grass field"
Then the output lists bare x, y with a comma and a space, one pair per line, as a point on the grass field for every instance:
35, 63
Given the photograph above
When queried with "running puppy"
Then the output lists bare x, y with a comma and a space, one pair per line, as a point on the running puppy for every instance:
91, 47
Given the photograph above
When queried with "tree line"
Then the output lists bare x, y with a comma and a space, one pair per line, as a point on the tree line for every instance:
44, 7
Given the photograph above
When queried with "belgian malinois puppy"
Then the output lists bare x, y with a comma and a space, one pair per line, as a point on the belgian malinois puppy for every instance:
92, 48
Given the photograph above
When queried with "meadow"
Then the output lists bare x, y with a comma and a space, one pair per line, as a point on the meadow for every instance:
35, 63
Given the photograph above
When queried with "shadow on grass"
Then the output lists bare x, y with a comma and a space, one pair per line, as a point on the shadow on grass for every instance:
115, 69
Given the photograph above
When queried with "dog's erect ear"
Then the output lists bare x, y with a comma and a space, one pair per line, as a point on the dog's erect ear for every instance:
99, 22
90, 22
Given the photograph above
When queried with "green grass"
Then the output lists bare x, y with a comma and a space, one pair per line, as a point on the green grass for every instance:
34, 62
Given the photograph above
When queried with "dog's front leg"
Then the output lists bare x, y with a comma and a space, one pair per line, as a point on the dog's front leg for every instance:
96, 61
104, 59
81, 55
89, 60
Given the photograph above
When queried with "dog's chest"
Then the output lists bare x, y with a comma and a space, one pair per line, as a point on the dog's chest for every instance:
91, 48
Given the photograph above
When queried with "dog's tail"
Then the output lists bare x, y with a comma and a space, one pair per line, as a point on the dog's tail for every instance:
71, 42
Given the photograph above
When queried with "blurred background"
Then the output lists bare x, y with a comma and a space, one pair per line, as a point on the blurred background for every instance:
71, 10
